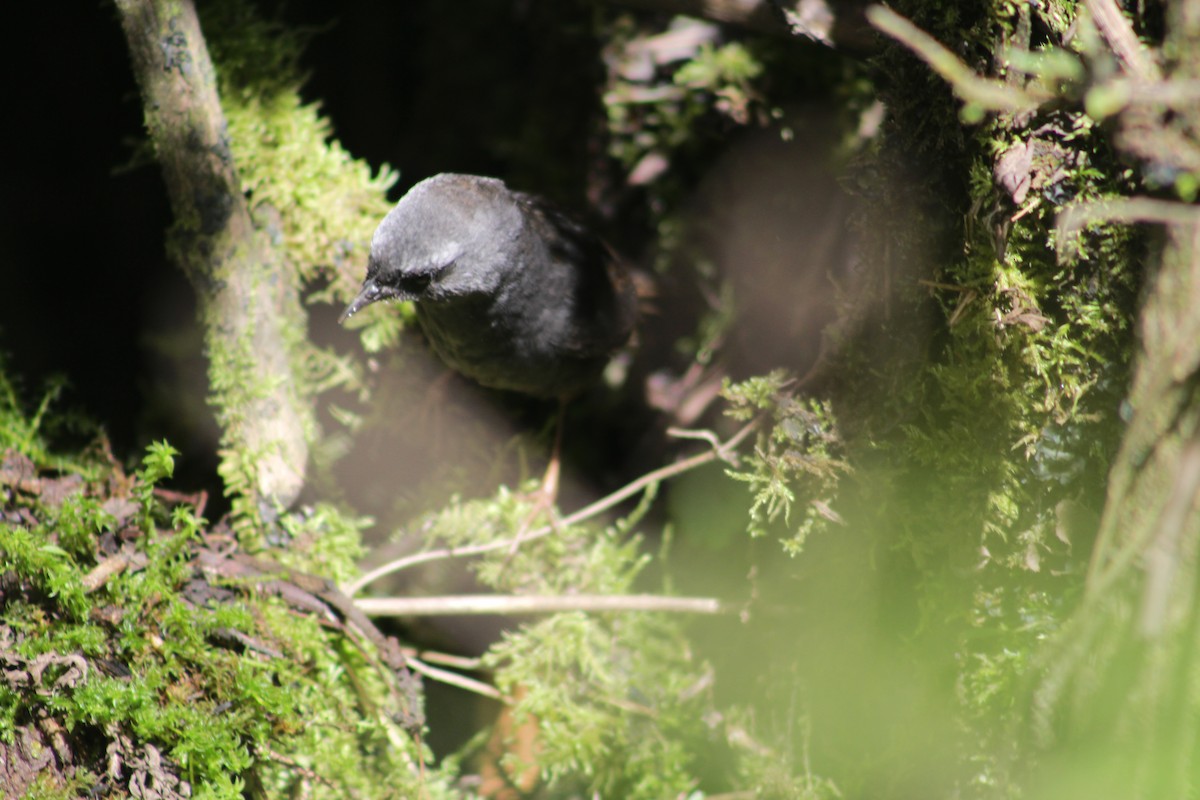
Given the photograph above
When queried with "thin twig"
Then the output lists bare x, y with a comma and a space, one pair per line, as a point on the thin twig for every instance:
454, 679
531, 604
722, 452
99, 575
987, 93
444, 659
704, 435
417, 559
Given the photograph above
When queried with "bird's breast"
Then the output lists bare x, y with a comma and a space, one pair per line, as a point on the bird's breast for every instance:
506, 342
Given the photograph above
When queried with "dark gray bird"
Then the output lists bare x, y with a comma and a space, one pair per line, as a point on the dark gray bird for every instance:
509, 291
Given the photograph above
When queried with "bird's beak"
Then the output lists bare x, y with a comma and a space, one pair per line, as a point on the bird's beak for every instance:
369, 293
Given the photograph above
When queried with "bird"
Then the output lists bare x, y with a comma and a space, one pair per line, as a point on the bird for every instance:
509, 290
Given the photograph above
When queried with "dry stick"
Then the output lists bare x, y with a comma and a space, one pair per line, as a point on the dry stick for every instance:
99, 575
723, 452
531, 604
444, 659
454, 679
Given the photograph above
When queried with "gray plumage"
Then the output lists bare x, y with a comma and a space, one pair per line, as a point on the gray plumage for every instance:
509, 291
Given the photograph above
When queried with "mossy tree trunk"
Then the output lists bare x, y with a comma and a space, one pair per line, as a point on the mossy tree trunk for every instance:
249, 301
1117, 707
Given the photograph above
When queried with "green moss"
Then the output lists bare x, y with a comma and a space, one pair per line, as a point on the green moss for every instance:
319, 204
1012, 418
327, 202
155, 656
609, 691
606, 691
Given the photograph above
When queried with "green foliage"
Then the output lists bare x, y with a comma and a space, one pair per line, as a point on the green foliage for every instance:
797, 451
162, 648
27, 432
325, 541
50, 568
618, 698
610, 693
19, 431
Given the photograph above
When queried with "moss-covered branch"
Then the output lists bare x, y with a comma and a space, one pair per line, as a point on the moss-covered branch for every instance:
249, 301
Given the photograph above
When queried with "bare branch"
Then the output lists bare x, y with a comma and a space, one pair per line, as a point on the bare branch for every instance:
448, 605
1127, 210
454, 679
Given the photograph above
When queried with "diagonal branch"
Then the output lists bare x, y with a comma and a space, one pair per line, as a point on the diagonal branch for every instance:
722, 452
987, 93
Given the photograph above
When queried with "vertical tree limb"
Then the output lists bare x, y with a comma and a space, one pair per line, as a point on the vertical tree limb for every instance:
249, 300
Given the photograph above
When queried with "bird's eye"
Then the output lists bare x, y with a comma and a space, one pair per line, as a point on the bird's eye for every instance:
416, 284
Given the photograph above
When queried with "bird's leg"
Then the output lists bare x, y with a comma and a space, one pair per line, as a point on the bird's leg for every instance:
549, 487
433, 407
545, 496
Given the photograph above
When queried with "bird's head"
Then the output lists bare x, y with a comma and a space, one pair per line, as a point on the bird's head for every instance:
439, 241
